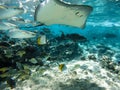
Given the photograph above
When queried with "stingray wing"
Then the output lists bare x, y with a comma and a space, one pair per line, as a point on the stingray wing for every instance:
56, 12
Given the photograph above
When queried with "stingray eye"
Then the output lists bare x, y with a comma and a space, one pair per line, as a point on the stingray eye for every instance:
78, 14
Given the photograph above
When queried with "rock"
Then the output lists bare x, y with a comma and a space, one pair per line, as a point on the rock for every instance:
26, 66
21, 53
84, 67
24, 74
105, 58
4, 45
5, 75
78, 84
25, 71
117, 58
73, 73
110, 35
108, 64
109, 53
92, 57
76, 37
33, 61
8, 53
30, 49
19, 66
77, 66
31, 52
69, 51
40, 61
102, 49
11, 82
109, 75
4, 69
42, 70
83, 58
23, 77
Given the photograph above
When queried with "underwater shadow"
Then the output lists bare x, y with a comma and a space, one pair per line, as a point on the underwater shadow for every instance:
79, 84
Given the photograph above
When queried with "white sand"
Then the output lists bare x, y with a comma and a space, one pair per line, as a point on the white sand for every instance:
53, 79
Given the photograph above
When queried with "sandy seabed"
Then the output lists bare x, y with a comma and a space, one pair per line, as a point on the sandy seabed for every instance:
78, 75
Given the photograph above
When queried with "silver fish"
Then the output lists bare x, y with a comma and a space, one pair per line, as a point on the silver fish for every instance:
7, 12
24, 23
57, 12
20, 34
7, 26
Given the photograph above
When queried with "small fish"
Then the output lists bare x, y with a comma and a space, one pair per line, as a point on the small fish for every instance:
7, 12
17, 19
62, 67
58, 12
7, 26
16, 33
42, 40
23, 23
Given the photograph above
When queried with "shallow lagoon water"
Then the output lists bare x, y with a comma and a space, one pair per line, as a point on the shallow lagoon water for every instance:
88, 63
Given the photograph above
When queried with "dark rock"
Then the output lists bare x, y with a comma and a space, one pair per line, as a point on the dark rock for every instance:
30, 49
4, 44
30, 52
109, 53
76, 37
79, 84
33, 61
12, 42
92, 57
110, 35
66, 51
83, 58
117, 56
11, 82
19, 66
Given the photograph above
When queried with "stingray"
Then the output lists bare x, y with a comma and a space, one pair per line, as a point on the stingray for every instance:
58, 12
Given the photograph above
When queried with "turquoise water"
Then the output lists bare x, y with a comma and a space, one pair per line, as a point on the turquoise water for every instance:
99, 41
103, 19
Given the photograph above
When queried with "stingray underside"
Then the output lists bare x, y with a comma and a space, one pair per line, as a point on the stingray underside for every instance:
57, 12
